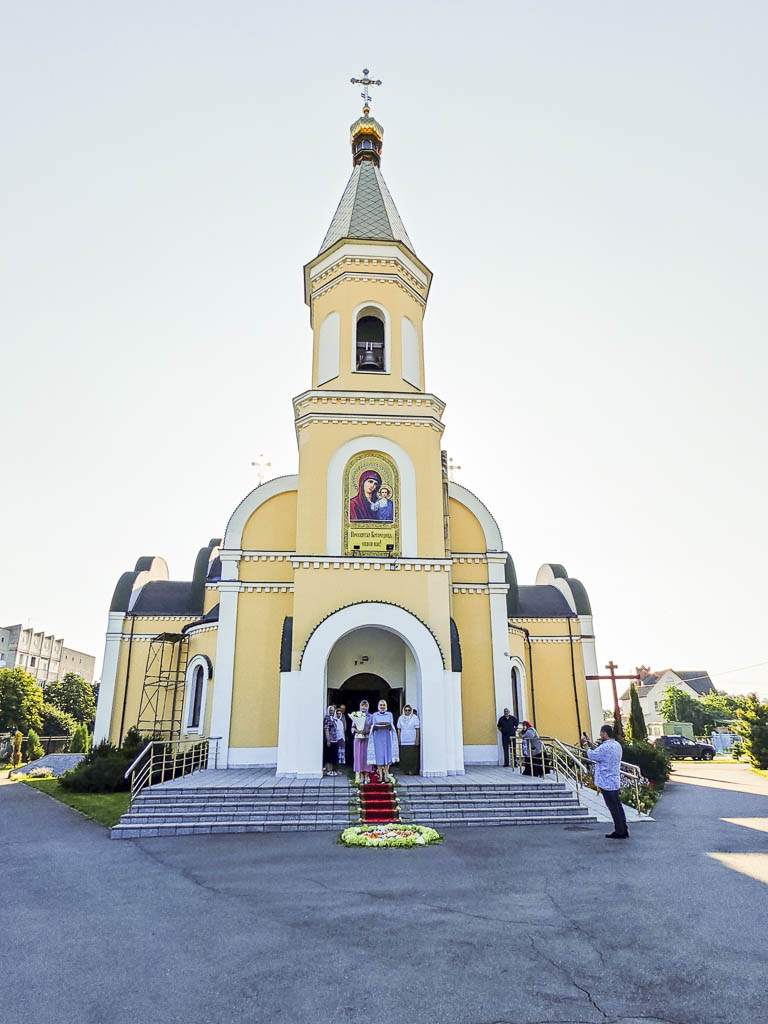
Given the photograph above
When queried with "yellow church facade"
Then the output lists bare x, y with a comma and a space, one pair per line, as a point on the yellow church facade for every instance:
368, 573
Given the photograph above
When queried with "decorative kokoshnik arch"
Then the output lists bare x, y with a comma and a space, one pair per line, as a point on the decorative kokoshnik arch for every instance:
302, 693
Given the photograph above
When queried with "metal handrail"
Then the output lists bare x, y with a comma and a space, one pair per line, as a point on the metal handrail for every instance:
170, 759
630, 772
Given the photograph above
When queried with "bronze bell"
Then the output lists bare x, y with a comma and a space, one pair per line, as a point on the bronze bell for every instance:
369, 360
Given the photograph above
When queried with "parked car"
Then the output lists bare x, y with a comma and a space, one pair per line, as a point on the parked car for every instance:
680, 746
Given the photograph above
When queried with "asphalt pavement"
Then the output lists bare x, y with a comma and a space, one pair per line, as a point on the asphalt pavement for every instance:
527, 925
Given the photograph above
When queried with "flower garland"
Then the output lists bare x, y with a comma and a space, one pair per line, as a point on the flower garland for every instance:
390, 835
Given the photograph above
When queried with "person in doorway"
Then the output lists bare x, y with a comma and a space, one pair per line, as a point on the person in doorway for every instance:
330, 747
361, 727
533, 763
341, 738
382, 742
507, 726
607, 757
408, 732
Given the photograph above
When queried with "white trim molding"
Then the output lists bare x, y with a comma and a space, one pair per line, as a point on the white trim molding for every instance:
337, 463
490, 527
234, 534
108, 677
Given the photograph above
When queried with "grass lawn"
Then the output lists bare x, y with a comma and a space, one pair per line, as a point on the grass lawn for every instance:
9, 766
106, 808
761, 771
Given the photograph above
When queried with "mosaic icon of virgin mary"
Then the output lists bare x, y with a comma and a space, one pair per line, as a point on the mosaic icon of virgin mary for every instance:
373, 501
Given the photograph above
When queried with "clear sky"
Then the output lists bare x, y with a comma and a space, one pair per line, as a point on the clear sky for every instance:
585, 179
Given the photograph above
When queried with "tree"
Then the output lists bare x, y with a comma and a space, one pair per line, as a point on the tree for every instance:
34, 750
21, 701
725, 706
74, 696
754, 731
78, 744
57, 722
678, 706
637, 730
18, 739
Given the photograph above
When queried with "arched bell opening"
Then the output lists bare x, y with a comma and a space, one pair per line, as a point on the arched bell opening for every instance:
370, 342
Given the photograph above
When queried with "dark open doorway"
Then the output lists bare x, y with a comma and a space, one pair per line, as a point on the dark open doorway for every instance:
370, 687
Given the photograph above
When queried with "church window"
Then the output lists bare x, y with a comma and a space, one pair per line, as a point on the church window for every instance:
197, 682
197, 699
370, 354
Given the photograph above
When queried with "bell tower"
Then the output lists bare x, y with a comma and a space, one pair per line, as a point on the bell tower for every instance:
366, 288
368, 430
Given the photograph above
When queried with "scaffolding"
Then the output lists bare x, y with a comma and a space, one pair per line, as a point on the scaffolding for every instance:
162, 696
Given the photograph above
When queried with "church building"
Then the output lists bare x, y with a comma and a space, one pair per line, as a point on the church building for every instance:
366, 574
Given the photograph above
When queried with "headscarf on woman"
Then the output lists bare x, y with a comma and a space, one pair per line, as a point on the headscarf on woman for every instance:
359, 506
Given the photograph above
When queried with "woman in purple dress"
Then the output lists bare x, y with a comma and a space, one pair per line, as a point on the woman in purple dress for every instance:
361, 727
382, 742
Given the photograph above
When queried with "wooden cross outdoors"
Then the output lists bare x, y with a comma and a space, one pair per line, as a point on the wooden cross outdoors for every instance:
613, 677
365, 81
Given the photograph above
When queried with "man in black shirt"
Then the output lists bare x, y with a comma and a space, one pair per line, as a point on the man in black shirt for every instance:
507, 726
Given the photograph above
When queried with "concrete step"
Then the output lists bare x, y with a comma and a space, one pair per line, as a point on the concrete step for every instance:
490, 799
520, 787
542, 819
265, 815
458, 811
145, 831
201, 805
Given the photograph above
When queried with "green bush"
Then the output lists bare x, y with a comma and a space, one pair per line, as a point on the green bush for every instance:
652, 761
56, 722
103, 768
79, 742
34, 750
754, 731
648, 797
18, 739
737, 750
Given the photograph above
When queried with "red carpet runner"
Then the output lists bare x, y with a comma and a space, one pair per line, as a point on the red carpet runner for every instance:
377, 803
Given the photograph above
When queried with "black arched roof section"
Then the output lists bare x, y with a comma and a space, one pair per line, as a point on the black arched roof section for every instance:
122, 594
558, 571
200, 572
286, 644
580, 596
513, 594
456, 664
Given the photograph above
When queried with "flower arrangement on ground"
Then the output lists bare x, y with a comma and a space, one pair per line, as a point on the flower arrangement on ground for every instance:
391, 834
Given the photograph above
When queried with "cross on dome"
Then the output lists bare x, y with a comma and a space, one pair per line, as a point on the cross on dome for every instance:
365, 81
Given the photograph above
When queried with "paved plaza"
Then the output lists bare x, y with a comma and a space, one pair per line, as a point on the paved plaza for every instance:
519, 925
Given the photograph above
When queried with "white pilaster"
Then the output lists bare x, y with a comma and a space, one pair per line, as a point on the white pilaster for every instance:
108, 677
224, 674
589, 658
502, 675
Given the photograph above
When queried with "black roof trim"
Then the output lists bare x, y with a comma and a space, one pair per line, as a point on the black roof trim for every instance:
456, 663
286, 644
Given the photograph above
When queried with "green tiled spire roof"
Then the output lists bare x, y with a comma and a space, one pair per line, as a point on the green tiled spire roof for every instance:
366, 210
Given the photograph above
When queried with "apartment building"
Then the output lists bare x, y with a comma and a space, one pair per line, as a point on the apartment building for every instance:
42, 654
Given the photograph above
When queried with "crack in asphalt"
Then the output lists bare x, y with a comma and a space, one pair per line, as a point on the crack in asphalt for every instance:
569, 976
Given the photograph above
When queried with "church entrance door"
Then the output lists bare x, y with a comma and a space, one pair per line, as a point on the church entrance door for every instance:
370, 687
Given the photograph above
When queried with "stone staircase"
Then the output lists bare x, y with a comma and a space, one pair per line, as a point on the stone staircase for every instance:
253, 800
529, 802
170, 810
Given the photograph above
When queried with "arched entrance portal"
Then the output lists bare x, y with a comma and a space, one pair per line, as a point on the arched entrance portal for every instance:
370, 687
381, 640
